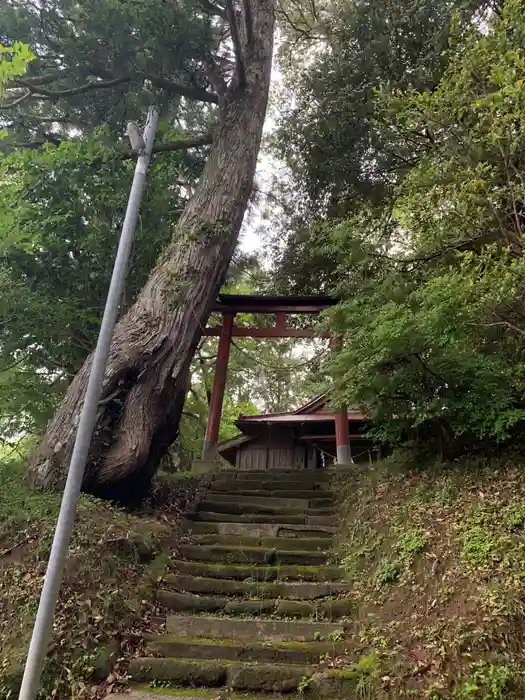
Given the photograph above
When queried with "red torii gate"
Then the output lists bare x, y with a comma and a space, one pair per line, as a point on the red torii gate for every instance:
229, 305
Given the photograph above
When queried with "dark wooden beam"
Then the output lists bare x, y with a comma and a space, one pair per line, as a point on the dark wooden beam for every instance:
240, 332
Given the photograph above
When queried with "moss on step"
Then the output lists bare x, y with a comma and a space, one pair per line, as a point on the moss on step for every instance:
181, 602
238, 676
253, 589
277, 652
305, 544
255, 555
246, 630
267, 678
185, 672
197, 693
259, 573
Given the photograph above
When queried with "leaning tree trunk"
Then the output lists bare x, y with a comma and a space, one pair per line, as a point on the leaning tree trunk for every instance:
147, 373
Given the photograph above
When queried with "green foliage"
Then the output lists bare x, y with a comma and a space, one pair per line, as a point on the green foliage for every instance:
14, 60
487, 681
61, 214
388, 571
411, 542
432, 309
479, 546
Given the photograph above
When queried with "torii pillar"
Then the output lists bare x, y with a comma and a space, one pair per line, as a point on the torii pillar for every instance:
211, 438
342, 433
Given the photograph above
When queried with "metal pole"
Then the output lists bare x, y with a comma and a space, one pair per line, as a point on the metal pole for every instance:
48, 599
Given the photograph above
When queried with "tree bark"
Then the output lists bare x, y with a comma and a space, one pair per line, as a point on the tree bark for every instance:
147, 373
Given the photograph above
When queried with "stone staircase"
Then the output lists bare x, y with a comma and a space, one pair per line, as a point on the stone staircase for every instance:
253, 603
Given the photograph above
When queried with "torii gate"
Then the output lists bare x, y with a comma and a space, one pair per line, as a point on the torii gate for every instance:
229, 305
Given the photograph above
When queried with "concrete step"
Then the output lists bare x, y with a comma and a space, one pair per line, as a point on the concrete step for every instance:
247, 572
244, 507
254, 555
254, 589
253, 518
262, 529
270, 678
325, 501
188, 602
278, 652
237, 629
305, 544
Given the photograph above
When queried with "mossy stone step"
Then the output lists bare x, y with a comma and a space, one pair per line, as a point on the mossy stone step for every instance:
268, 494
305, 544
318, 501
278, 652
275, 485
188, 602
230, 587
258, 573
238, 629
269, 678
143, 691
318, 475
254, 555
244, 507
284, 518
262, 529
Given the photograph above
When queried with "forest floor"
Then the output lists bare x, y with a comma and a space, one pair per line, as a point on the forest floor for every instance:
436, 558
435, 554
106, 601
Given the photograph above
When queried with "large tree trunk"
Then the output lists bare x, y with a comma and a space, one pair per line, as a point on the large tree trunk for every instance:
147, 373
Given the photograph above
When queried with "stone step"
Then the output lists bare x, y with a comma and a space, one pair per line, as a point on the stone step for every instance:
280, 502
254, 555
254, 518
247, 492
245, 507
275, 485
248, 572
145, 691
262, 529
305, 544
278, 652
321, 475
188, 602
218, 673
256, 589
238, 629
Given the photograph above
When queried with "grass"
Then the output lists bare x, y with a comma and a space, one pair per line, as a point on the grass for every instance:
106, 597
436, 554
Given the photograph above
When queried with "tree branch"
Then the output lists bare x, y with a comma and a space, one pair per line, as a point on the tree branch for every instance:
236, 40
248, 22
39, 91
176, 145
17, 101
192, 93
213, 9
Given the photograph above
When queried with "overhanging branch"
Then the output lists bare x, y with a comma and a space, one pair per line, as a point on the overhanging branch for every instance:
37, 89
236, 40
42, 92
